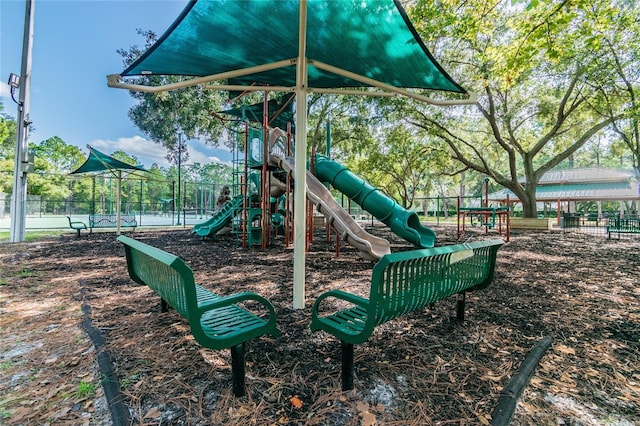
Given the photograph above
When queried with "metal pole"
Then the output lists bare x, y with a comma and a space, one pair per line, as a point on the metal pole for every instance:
19, 196
179, 171
118, 202
300, 195
201, 194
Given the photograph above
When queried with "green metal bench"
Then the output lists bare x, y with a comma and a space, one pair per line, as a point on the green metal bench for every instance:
623, 226
111, 221
401, 283
76, 225
216, 322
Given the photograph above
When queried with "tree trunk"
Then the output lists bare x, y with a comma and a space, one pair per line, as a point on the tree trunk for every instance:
529, 205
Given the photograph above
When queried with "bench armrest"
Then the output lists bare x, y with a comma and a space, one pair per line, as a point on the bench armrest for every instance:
242, 297
75, 224
353, 327
339, 294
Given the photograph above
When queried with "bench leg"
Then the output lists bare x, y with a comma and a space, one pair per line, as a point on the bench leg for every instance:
462, 297
347, 365
164, 306
237, 369
78, 231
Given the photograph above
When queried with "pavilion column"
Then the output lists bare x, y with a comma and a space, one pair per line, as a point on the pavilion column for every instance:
300, 193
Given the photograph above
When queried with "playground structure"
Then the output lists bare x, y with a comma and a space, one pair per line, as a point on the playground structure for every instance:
261, 206
489, 217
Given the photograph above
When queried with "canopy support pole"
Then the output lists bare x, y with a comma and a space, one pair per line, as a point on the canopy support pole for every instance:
300, 193
118, 202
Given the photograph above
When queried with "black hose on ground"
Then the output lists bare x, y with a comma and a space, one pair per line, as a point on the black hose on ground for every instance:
511, 393
110, 382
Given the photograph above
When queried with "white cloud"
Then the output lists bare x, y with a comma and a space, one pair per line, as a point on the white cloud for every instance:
5, 91
149, 152
146, 151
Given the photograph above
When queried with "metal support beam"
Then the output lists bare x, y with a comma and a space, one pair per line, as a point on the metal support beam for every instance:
300, 193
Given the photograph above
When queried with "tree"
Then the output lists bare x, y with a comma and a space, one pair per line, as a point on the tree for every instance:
171, 118
396, 163
63, 158
534, 66
619, 80
54, 159
7, 134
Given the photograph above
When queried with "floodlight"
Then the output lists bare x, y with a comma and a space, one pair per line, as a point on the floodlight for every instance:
14, 80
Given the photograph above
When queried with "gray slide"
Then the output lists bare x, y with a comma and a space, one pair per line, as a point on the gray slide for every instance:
370, 246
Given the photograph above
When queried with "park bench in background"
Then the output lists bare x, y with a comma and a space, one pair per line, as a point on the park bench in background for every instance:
76, 225
111, 221
217, 322
623, 225
401, 283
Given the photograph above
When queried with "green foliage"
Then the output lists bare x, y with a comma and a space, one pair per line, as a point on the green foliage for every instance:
60, 157
171, 118
399, 163
547, 71
7, 135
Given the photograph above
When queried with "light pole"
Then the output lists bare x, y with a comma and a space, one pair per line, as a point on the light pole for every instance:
21, 159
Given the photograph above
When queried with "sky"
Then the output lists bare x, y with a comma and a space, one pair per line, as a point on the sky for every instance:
75, 46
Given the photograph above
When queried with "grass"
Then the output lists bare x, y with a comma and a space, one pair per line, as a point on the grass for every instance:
26, 272
31, 235
85, 390
6, 365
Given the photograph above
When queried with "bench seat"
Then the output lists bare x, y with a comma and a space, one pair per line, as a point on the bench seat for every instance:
402, 283
216, 322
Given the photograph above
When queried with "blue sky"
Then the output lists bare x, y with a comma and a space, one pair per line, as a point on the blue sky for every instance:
74, 48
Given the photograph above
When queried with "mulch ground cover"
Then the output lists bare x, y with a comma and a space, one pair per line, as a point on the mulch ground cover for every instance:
422, 369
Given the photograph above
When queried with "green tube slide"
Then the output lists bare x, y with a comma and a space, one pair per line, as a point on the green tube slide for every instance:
402, 222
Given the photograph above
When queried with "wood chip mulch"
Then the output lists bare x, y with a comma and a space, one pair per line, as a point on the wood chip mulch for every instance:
423, 369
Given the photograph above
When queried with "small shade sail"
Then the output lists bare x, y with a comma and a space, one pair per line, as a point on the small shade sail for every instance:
99, 162
370, 38
280, 111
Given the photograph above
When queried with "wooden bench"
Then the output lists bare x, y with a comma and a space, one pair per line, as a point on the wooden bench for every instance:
111, 221
217, 322
76, 225
401, 283
623, 226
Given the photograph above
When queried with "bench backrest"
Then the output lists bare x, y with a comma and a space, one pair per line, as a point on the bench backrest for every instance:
407, 281
625, 223
165, 273
109, 220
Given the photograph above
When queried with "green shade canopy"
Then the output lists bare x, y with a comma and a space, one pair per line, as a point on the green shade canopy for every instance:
99, 162
301, 46
370, 38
